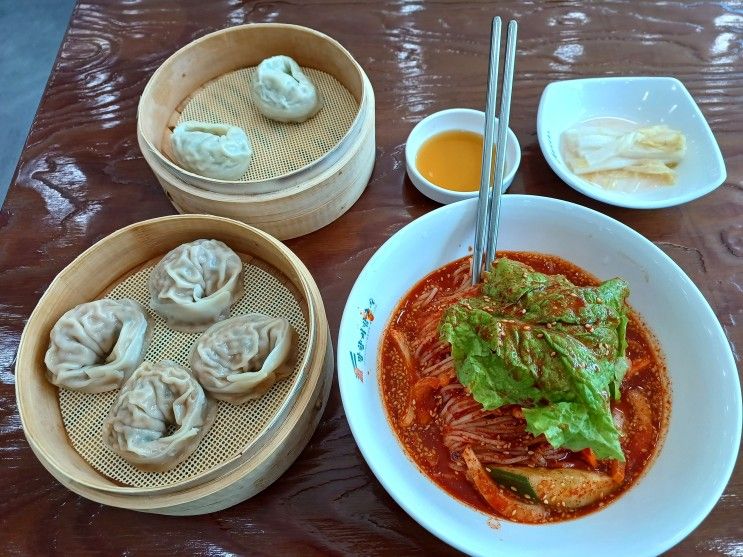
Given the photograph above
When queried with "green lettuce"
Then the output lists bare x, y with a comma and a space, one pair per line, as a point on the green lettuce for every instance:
555, 349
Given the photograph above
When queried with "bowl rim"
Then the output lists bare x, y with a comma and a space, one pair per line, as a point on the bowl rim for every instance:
630, 200
418, 514
332, 155
423, 183
316, 318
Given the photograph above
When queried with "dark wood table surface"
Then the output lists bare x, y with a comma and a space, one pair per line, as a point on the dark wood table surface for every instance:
81, 176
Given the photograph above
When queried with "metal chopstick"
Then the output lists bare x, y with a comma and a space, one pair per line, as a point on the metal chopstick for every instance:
483, 203
500, 155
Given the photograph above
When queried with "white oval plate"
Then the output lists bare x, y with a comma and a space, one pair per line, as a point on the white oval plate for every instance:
699, 452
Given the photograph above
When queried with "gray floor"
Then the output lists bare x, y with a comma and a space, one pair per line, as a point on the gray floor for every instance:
32, 33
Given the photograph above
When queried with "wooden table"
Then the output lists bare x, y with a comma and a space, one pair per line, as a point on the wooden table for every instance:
81, 176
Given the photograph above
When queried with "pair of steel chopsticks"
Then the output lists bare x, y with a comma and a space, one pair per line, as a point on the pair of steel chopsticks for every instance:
488, 205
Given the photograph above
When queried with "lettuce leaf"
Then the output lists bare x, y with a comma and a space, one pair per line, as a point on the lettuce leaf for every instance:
575, 427
555, 349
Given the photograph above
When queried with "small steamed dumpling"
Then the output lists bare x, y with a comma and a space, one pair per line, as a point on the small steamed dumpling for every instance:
241, 358
95, 346
283, 93
212, 150
195, 284
154, 398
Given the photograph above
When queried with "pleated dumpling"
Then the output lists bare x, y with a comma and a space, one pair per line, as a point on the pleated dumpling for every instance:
195, 284
212, 150
157, 397
283, 93
241, 358
95, 346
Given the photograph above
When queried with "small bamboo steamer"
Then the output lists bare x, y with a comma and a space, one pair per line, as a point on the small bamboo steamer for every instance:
285, 205
235, 479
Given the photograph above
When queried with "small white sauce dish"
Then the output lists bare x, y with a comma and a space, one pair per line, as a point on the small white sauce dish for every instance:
647, 101
465, 119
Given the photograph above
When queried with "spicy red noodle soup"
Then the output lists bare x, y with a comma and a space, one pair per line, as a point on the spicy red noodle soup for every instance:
436, 418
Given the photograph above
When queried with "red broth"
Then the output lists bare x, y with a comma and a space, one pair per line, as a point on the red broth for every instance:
424, 444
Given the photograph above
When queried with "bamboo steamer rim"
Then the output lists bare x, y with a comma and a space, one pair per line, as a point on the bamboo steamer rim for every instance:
281, 195
316, 323
172, 168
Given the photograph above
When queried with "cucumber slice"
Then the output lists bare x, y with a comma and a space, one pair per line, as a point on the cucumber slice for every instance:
566, 488
515, 482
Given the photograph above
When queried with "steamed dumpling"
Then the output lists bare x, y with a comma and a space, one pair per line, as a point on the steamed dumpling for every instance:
283, 93
95, 346
154, 398
212, 150
195, 284
241, 358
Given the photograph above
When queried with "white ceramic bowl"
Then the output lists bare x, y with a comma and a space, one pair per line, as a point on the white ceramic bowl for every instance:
646, 100
465, 119
698, 455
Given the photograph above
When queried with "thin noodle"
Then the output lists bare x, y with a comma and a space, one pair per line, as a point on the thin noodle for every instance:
440, 367
424, 300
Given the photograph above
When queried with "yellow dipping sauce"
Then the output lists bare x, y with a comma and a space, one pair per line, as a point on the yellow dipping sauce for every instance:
452, 160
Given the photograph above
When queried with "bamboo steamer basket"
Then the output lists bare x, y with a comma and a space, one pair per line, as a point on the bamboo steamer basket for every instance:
324, 177
284, 418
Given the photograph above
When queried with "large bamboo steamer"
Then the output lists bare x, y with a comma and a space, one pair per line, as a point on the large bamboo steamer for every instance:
120, 259
285, 204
